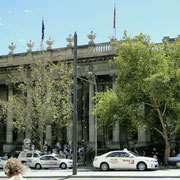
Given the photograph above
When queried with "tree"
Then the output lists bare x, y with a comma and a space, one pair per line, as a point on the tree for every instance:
43, 96
110, 110
148, 84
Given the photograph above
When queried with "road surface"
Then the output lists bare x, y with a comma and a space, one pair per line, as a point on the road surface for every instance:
89, 174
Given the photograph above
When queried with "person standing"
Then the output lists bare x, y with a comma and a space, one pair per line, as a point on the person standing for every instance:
14, 169
154, 153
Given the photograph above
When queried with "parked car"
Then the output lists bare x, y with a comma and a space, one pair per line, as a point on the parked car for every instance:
28, 154
174, 161
49, 161
2, 161
124, 159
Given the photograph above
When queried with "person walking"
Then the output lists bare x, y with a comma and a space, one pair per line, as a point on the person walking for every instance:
14, 169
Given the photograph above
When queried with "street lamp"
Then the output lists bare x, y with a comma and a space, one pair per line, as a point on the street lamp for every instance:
91, 75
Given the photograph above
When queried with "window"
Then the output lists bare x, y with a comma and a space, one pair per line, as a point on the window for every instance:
52, 158
36, 155
124, 154
114, 154
43, 158
29, 154
23, 154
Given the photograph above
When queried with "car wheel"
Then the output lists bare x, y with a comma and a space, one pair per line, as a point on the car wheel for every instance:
104, 167
63, 166
38, 166
141, 166
178, 164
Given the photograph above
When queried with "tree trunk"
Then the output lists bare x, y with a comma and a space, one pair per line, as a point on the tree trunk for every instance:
163, 133
167, 151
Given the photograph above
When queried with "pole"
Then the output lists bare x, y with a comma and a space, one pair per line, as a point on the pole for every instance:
75, 114
95, 116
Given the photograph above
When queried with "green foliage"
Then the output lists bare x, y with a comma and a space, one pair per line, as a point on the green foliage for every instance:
106, 106
148, 86
148, 73
43, 95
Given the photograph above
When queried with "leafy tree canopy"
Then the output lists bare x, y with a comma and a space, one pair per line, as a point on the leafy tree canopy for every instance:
148, 85
43, 95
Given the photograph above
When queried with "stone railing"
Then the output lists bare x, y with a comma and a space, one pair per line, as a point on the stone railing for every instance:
102, 47
88, 50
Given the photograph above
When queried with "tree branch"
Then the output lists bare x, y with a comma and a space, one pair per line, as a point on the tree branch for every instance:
164, 110
159, 132
150, 105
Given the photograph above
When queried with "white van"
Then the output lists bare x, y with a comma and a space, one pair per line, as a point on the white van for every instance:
28, 154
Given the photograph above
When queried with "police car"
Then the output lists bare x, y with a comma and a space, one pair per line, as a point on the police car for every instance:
50, 161
124, 159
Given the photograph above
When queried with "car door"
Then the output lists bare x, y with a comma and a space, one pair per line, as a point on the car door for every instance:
44, 161
126, 160
113, 159
53, 162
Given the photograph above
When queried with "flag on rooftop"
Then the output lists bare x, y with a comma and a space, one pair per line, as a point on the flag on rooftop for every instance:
43, 28
114, 22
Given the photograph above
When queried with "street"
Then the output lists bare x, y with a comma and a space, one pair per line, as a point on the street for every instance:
88, 174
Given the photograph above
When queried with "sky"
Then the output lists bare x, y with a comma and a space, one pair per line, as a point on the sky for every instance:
21, 21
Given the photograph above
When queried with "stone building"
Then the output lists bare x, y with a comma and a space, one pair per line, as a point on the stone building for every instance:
93, 66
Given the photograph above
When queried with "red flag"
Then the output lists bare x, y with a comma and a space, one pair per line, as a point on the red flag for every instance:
114, 22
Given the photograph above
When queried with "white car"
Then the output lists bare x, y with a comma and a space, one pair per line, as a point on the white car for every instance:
28, 154
174, 161
2, 161
49, 161
124, 159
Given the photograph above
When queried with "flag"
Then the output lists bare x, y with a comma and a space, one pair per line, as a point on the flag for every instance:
43, 28
114, 22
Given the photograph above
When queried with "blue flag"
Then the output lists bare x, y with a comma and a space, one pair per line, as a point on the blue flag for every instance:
43, 28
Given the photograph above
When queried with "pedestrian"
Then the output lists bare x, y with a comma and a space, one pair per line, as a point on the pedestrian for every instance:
14, 169
154, 153
173, 153
144, 153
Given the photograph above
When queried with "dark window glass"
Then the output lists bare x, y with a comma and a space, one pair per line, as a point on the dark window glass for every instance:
29, 154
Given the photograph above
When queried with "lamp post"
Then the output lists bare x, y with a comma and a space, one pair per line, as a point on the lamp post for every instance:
91, 75
75, 109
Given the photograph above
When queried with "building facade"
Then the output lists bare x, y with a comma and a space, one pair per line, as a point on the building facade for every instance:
94, 75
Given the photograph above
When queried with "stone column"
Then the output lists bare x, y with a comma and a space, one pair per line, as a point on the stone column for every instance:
116, 131
91, 116
9, 132
28, 132
69, 132
9, 127
142, 135
48, 134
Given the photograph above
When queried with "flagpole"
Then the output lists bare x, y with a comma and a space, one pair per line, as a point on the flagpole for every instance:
114, 22
42, 37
